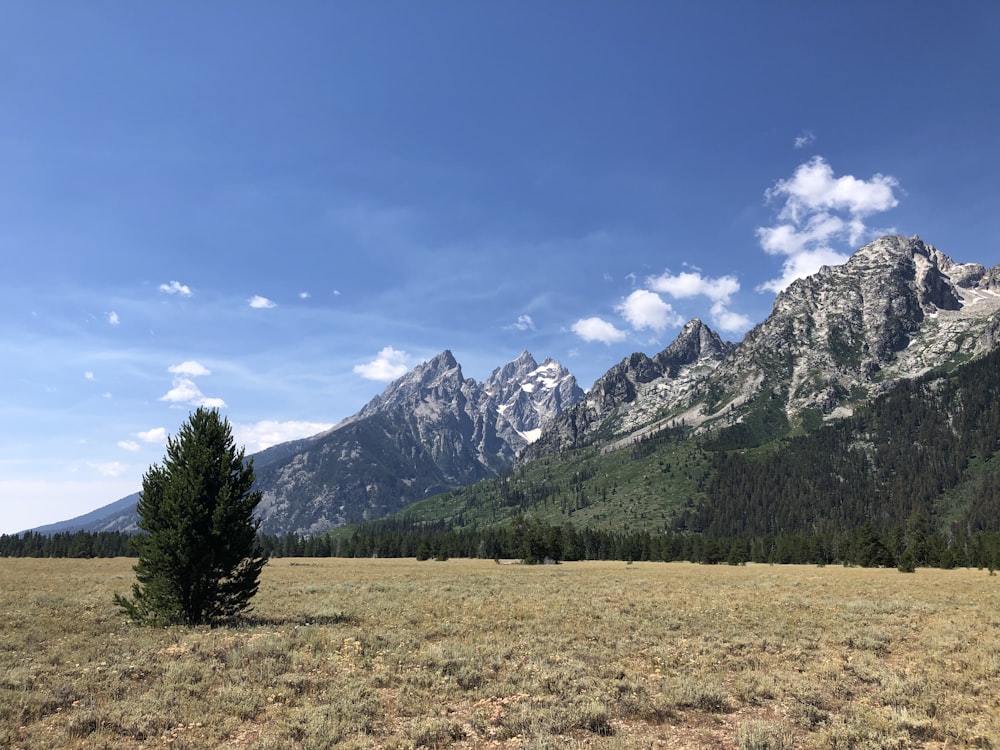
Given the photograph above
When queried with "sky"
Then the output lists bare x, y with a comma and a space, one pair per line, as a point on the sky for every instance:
277, 208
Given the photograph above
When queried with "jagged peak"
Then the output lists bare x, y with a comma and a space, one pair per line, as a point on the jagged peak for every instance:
443, 361
516, 368
696, 329
902, 248
442, 367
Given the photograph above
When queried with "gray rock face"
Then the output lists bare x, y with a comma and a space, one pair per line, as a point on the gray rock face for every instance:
630, 397
528, 396
895, 310
430, 430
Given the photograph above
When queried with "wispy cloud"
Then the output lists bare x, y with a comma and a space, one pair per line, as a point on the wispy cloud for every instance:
260, 435
128, 445
112, 318
817, 211
190, 368
176, 287
804, 139
154, 435
304, 295
110, 468
388, 365
261, 303
88, 375
598, 329
524, 323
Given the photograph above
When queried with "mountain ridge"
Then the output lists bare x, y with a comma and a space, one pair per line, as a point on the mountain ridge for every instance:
896, 309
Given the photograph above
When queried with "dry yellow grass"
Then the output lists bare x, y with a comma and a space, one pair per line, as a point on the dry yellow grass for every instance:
466, 654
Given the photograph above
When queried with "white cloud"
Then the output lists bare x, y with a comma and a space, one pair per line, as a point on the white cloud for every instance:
110, 468
155, 435
814, 188
128, 445
802, 264
728, 321
688, 284
803, 140
261, 303
260, 435
304, 295
524, 323
176, 287
720, 290
185, 390
112, 318
88, 375
388, 365
596, 329
645, 309
190, 368
818, 211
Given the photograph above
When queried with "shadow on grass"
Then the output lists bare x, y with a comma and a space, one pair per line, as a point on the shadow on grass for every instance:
338, 618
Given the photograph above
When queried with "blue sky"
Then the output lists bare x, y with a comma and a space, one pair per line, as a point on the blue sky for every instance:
275, 208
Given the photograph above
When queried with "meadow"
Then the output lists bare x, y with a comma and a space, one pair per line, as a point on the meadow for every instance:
475, 654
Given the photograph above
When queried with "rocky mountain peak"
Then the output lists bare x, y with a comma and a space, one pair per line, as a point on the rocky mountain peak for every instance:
895, 309
441, 375
528, 396
429, 430
635, 390
695, 342
506, 378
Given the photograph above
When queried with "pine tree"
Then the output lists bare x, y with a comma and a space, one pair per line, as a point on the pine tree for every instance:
199, 560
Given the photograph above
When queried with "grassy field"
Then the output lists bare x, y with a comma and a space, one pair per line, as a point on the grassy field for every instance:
469, 654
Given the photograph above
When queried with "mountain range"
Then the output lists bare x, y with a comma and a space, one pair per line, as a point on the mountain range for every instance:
897, 309
833, 345
430, 430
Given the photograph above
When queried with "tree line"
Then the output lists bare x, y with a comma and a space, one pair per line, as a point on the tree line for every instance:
66, 544
906, 546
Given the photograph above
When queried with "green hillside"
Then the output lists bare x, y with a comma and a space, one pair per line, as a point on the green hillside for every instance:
649, 486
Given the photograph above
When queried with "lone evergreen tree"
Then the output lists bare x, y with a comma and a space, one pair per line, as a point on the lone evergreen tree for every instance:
199, 561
